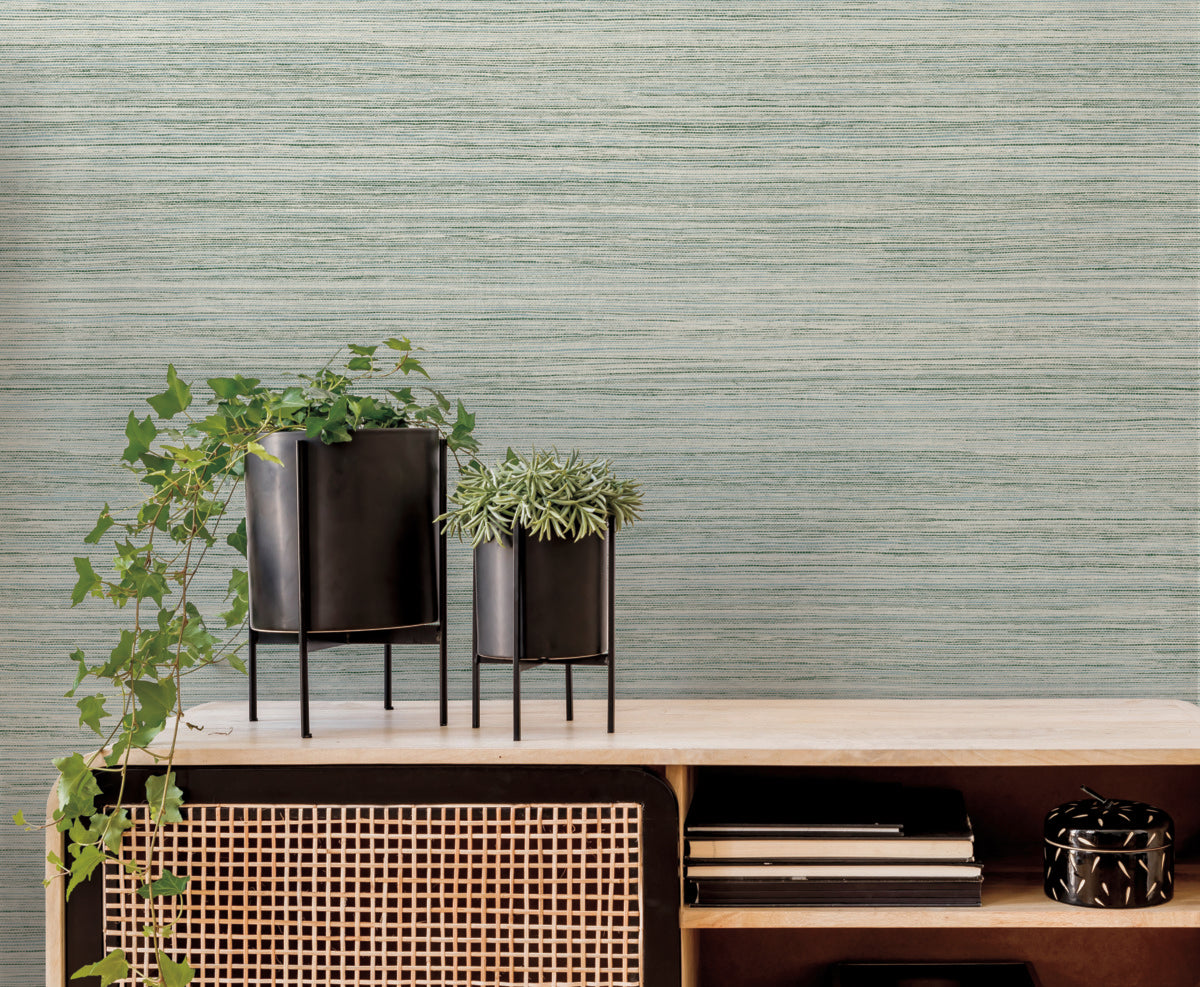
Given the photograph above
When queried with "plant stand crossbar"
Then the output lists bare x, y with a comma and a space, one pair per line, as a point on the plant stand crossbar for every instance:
519, 650
308, 640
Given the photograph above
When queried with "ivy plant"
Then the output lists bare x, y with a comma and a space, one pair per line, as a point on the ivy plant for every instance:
550, 497
189, 465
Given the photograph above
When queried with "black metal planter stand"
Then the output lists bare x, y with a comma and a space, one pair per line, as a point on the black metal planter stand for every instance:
519, 637
308, 640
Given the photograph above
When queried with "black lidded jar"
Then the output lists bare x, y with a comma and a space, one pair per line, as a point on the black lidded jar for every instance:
1108, 853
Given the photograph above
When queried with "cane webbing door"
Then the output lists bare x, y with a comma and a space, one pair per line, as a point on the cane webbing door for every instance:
545, 876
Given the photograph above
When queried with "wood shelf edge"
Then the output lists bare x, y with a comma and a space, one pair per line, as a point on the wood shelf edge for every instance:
733, 733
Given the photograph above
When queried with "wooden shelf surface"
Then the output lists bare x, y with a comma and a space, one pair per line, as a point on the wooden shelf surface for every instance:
1011, 900
835, 732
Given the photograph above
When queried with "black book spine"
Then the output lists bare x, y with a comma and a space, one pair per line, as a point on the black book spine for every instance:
866, 892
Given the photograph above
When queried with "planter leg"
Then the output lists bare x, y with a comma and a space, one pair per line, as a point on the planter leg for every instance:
304, 732
253, 656
516, 699
611, 706
570, 696
474, 676
302, 559
612, 625
387, 676
518, 623
475, 691
443, 673
474, 655
443, 678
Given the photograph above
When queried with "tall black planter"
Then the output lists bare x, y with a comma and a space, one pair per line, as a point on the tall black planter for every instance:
543, 602
343, 546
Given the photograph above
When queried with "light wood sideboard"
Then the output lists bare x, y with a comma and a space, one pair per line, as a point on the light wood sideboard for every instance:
1013, 759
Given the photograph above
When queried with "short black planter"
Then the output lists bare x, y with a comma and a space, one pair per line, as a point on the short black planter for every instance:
543, 602
343, 546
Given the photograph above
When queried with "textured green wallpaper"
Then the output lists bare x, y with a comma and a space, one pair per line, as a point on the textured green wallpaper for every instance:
891, 305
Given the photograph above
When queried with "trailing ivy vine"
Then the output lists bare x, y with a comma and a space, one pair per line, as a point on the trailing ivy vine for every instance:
191, 465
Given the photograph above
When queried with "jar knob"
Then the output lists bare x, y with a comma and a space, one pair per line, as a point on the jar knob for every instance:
1098, 798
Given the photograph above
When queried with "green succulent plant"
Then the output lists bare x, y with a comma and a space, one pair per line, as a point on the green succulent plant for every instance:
548, 496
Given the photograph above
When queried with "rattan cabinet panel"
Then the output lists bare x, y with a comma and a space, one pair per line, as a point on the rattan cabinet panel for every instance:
571, 879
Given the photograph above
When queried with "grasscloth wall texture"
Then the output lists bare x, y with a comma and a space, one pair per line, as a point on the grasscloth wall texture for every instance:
891, 305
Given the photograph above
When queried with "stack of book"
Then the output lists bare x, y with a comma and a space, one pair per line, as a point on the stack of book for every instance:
829, 843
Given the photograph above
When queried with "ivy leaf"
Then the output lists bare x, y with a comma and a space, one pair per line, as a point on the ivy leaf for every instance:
105, 522
112, 968
431, 414
239, 589
216, 425
239, 583
369, 410
114, 756
291, 400
224, 387
165, 887
77, 788
197, 637
174, 399
237, 663
88, 580
19, 818
140, 435
227, 388
363, 350
402, 344
407, 365
87, 859
115, 823
81, 672
157, 700
234, 616
91, 712
465, 423
337, 413
158, 472
120, 656
164, 799
147, 585
236, 539
259, 450
174, 974
138, 732
80, 835
360, 363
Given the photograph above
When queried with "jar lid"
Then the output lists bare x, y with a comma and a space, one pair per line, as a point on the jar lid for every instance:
1108, 824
